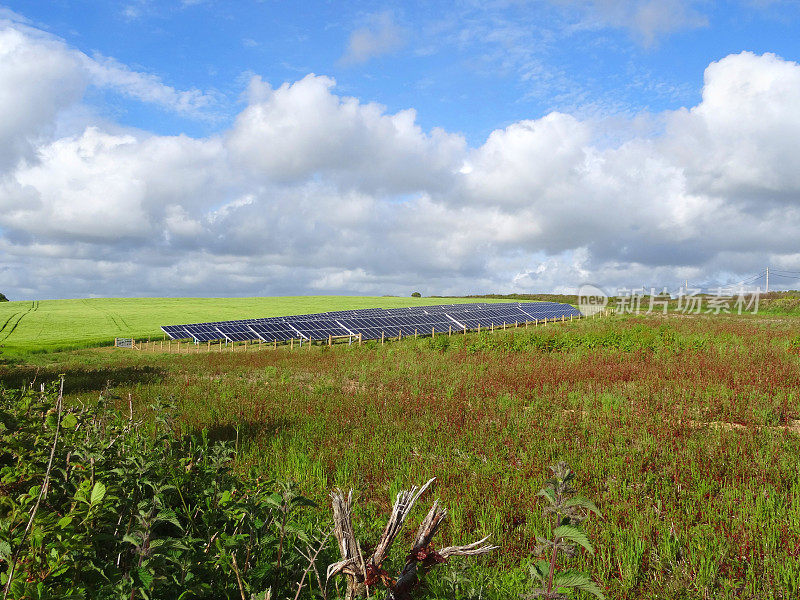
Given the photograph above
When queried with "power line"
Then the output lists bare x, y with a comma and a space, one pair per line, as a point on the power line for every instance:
786, 276
747, 281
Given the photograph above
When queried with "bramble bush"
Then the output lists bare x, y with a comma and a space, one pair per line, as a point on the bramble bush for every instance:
97, 504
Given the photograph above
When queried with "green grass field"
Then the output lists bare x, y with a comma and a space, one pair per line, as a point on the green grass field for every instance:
50, 325
684, 430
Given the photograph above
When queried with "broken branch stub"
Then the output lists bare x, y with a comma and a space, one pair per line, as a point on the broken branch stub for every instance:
350, 564
361, 575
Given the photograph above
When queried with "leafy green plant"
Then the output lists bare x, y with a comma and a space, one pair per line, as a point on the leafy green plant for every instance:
567, 510
94, 503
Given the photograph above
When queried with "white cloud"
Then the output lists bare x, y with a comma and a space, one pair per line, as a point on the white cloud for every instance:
37, 80
40, 76
303, 129
527, 163
647, 20
380, 36
747, 133
99, 187
109, 73
310, 190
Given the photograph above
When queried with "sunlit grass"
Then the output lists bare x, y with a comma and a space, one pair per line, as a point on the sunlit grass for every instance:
52, 325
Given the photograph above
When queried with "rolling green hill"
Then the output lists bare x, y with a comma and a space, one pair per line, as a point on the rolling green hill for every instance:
50, 325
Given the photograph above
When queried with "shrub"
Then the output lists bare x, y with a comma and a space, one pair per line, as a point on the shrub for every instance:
416, 295
96, 504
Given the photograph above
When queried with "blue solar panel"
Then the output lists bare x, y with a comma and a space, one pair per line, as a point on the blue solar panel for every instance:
372, 323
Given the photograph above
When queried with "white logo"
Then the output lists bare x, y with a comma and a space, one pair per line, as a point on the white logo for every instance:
591, 299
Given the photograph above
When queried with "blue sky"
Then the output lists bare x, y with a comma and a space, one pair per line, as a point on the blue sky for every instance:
202, 147
469, 67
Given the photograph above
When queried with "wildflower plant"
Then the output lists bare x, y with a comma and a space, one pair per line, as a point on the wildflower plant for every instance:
566, 510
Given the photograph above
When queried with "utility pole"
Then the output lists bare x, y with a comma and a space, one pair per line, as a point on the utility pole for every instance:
767, 292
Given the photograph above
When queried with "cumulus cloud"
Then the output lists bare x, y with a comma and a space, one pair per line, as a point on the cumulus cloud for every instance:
40, 76
38, 79
112, 190
312, 191
748, 135
380, 36
303, 129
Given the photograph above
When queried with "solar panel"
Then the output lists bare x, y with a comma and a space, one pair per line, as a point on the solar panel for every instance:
373, 323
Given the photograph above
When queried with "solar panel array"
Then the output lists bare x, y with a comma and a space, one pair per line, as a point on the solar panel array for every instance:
374, 323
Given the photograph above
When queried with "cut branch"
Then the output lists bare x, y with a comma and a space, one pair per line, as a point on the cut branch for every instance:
402, 507
361, 574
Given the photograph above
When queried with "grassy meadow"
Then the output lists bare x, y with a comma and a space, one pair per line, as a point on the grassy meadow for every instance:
52, 325
685, 431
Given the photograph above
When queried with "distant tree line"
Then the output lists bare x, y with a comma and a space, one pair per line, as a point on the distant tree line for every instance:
3, 298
